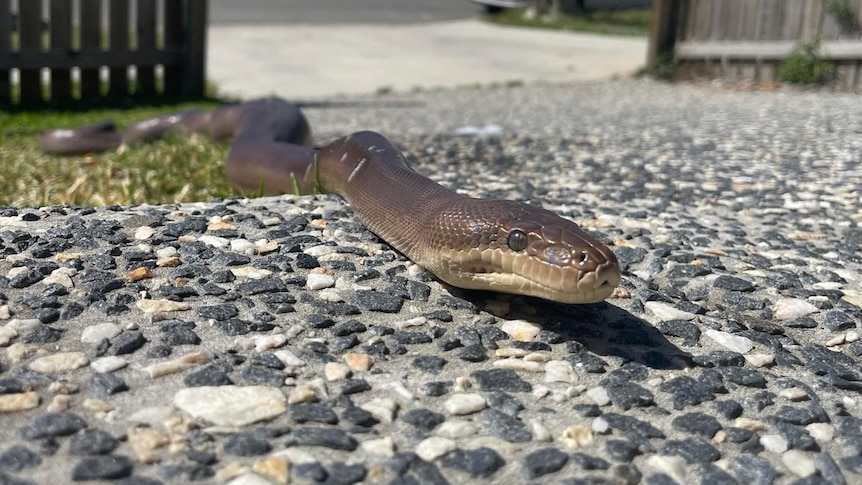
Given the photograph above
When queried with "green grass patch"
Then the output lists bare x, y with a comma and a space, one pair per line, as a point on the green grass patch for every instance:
179, 168
634, 22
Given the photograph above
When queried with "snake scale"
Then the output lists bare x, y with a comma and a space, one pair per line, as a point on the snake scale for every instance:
484, 244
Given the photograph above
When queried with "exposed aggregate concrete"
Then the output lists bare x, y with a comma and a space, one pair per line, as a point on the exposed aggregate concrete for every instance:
275, 339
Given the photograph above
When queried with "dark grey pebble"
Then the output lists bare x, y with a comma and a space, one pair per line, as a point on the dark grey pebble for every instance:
622, 450
311, 471
752, 470
347, 328
313, 412
435, 388
138, 480
697, 423
837, 321
685, 391
376, 301
52, 425
504, 426
422, 418
334, 438
19, 458
632, 426
728, 408
263, 285
629, 395
186, 473
340, 473
544, 461
589, 462
473, 353
354, 386
128, 342
103, 385
429, 363
358, 416
233, 326
103, 467
92, 442
693, 450
478, 462
451, 301
744, 377
500, 380
42, 335
504, 402
211, 375
246, 444
733, 283
178, 332
218, 312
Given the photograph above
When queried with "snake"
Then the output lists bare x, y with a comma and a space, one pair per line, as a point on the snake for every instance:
477, 244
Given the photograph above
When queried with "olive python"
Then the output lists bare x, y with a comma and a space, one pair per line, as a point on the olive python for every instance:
482, 244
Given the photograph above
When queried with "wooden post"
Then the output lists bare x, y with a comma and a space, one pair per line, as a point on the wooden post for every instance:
90, 26
174, 22
194, 80
663, 27
5, 48
61, 40
30, 35
145, 78
118, 32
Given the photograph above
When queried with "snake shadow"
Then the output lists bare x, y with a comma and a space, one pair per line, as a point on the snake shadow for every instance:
599, 332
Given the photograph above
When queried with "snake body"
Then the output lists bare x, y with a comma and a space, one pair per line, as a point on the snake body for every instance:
483, 244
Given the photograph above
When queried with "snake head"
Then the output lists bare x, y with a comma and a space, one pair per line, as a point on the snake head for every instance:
517, 248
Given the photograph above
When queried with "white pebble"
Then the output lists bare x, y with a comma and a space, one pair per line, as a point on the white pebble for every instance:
107, 364
99, 332
560, 371
666, 312
24, 325
214, 241
729, 341
456, 429
382, 408
600, 426
518, 365
539, 430
331, 294
320, 250
599, 395
288, 358
243, 246
521, 330
794, 394
319, 281
60, 362
380, 446
466, 403
413, 322
799, 463
251, 272
336, 371
760, 360
144, 232
7, 335
821, 432
434, 447
231, 405
166, 252
673, 466
774, 443
787, 308
268, 342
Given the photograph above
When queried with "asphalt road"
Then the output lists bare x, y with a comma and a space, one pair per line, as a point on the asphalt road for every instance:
359, 11
338, 11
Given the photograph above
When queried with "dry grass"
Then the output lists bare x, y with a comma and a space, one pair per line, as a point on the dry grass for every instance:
171, 170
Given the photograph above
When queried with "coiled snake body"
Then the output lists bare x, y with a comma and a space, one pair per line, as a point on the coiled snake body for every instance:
471, 243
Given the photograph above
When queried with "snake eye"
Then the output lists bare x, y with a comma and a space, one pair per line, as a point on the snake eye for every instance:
517, 240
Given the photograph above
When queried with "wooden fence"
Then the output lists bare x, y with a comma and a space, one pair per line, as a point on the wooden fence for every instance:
749, 38
66, 51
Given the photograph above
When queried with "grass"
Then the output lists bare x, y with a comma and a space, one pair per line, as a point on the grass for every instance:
176, 169
634, 22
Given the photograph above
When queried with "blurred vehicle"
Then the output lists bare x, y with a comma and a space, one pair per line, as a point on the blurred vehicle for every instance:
495, 6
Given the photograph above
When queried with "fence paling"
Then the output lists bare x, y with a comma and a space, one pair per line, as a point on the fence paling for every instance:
750, 37
182, 54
